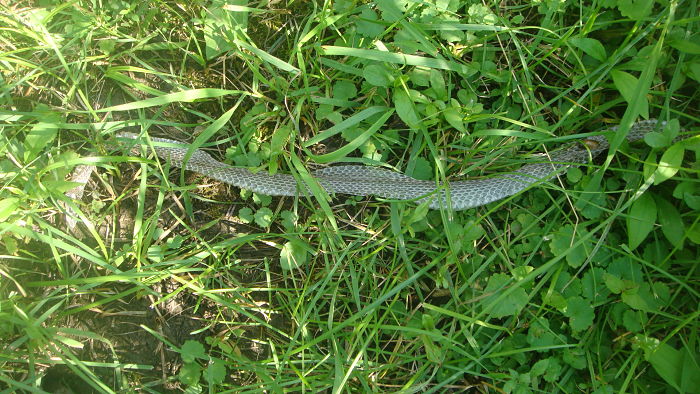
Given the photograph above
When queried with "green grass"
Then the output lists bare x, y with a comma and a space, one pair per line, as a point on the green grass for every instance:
174, 282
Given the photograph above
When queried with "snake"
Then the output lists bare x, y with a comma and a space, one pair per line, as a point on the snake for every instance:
361, 180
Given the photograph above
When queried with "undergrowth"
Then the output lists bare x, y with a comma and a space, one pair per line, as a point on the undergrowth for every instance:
174, 282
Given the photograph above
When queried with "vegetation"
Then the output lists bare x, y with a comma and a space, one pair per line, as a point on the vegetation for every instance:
174, 282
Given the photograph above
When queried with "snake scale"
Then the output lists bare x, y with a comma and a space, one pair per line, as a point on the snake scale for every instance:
364, 180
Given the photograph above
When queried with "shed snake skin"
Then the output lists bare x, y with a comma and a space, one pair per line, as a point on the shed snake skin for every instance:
364, 180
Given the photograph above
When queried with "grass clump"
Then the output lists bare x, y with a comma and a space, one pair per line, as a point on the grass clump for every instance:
174, 282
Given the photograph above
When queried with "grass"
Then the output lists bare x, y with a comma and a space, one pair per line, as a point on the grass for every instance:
174, 282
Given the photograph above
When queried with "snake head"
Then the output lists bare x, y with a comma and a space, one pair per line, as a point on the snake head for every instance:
591, 143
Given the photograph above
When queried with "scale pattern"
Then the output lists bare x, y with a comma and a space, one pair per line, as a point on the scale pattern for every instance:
364, 180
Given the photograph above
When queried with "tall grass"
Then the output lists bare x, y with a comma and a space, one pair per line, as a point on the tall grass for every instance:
174, 282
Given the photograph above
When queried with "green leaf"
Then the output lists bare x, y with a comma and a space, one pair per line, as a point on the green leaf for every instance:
549, 367
511, 305
392, 10
671, 222
218, 21
670, 163
628, 86
689, 192
346, 124
262, 199
277, 144
539, 368
553, 370
694, 71
59, 187
635, 9
184, 96
641, 298
562, 242
481, 14
8, 206
580, 313
268, 58
118, 73
368, 25
434, 352
453, 116
687, 46
590, 46
399, 58
419, 77
437, 82
289, 220
634, 320
593, 286
378, 75
423, 169
358, 141
294, 254
627, 269
189, 373
41, 135
405, 108
590, 203
679, 368
344, 90
465, 235
263, 217
541, 335
556, 300
661, 292
245, 214
192, 350
694, 234
641, 219
216, 372
69, 341
656, 139
472, 231
427, 322
574, 174
575, 358
615, 284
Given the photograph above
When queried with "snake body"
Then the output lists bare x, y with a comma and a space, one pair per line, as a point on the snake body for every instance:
364, 180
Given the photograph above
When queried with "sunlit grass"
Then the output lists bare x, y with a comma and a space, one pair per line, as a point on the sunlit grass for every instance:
173, 281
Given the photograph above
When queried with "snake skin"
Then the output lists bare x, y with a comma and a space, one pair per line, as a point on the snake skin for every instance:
364, 180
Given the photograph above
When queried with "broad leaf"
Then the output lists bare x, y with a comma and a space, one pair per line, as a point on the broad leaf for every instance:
41, 134
671, 222
511, 305
562, 242
377, 75
679, 368
277, 144
8, 207
641, 220
670, 163
405, 108
192, 350
294, 254
216, 372
635, 9
628, 86
591, 47
453, 115
580, 313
